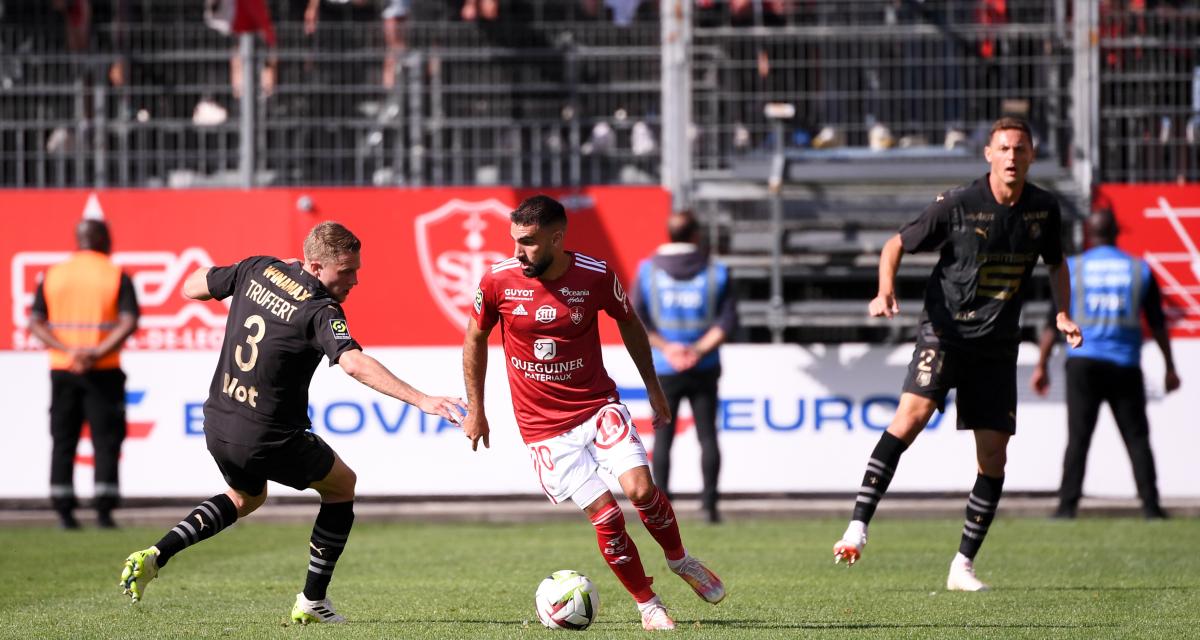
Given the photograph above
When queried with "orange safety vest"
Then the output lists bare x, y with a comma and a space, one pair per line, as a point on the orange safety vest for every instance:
81, 302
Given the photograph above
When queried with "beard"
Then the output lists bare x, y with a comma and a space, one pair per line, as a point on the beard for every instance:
535, 269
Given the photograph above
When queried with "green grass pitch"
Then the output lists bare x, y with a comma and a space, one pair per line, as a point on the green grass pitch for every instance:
1091, 578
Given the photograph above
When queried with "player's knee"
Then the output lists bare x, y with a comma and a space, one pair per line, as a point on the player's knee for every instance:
641, 492
246, 503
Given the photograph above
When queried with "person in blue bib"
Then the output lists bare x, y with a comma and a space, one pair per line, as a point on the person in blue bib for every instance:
1110, 293
686, 302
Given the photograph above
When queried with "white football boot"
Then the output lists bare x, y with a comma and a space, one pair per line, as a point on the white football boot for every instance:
850, 547
962, 576
307, 611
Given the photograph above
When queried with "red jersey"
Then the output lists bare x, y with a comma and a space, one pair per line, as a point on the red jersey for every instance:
551, 340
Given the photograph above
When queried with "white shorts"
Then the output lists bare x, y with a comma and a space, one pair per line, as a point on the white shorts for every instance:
566, 464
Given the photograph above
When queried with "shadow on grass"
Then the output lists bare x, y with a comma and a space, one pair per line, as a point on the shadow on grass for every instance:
1118, 589
761, 624
753, 624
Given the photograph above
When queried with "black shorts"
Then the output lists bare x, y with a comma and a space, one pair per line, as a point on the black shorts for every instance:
298, 462
987, 385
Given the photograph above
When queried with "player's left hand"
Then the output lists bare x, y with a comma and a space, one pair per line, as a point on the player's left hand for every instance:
1070, 330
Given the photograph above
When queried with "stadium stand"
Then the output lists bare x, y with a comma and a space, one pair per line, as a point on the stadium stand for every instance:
891, 99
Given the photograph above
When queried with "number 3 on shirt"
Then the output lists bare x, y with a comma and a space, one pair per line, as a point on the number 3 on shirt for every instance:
259, 329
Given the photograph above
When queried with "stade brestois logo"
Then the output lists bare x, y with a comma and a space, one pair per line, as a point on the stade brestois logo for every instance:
456, 244
168, 321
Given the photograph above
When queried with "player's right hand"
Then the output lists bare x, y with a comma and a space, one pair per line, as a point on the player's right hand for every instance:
884, 305
475, 427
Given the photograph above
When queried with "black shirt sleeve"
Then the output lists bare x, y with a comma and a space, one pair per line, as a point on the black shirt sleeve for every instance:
929, 230
1152, 305
127, 302
39, 302
331, 333
223, 280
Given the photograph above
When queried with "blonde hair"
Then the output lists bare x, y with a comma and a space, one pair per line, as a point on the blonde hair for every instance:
328, 241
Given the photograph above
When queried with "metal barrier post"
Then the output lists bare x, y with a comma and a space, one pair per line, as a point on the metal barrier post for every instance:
246, 129
1085, 96
676, 29
776, 315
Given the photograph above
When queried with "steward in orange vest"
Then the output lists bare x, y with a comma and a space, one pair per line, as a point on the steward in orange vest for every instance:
84, 310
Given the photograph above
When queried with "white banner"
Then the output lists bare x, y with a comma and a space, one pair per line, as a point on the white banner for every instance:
793, 419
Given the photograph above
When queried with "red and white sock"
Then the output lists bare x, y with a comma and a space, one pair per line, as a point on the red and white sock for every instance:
620, 552
659, 518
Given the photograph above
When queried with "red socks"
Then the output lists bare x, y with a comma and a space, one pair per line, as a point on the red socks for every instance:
621, 553
659, 518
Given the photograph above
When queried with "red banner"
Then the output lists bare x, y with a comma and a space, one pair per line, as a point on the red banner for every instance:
1161, 223
424, 250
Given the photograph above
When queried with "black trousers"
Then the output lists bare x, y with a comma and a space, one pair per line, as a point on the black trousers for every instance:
700, 389
99, 398
1089, 383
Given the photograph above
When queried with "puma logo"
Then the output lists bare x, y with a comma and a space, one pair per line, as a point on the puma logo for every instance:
981, 232
201, 521
320, 550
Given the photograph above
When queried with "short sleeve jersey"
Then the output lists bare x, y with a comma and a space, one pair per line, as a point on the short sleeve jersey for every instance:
988, 252
551, 340
282, 321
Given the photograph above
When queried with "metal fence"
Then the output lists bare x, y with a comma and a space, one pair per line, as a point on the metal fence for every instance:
550, 94
563, 103
1149, 110
880, 75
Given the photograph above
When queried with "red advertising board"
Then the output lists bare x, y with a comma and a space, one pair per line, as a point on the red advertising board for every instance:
424, 250
1161, 223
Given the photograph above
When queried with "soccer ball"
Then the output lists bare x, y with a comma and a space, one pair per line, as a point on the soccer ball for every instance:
567, 600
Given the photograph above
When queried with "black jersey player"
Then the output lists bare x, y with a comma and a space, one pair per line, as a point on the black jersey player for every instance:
990, 234
284, 318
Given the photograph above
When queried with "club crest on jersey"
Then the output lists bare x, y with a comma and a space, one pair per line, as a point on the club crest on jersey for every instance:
456, 244
339, 328
577, 315
545, 349
545, 314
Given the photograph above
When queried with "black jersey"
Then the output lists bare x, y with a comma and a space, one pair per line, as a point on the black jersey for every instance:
282, 321
988, 251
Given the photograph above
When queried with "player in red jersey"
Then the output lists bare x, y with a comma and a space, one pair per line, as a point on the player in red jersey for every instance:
548, 301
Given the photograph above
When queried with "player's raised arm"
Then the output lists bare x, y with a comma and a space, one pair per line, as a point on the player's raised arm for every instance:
475, 356
633, 334
196, 285
372, 373
884, 303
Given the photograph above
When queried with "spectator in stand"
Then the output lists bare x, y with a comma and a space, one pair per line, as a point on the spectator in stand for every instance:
486, 9
395, 37
232, 18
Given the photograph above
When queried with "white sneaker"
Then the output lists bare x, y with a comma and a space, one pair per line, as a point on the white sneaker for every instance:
829, 137
700, 578
307, 611
850, 547
962, 576
655, 617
